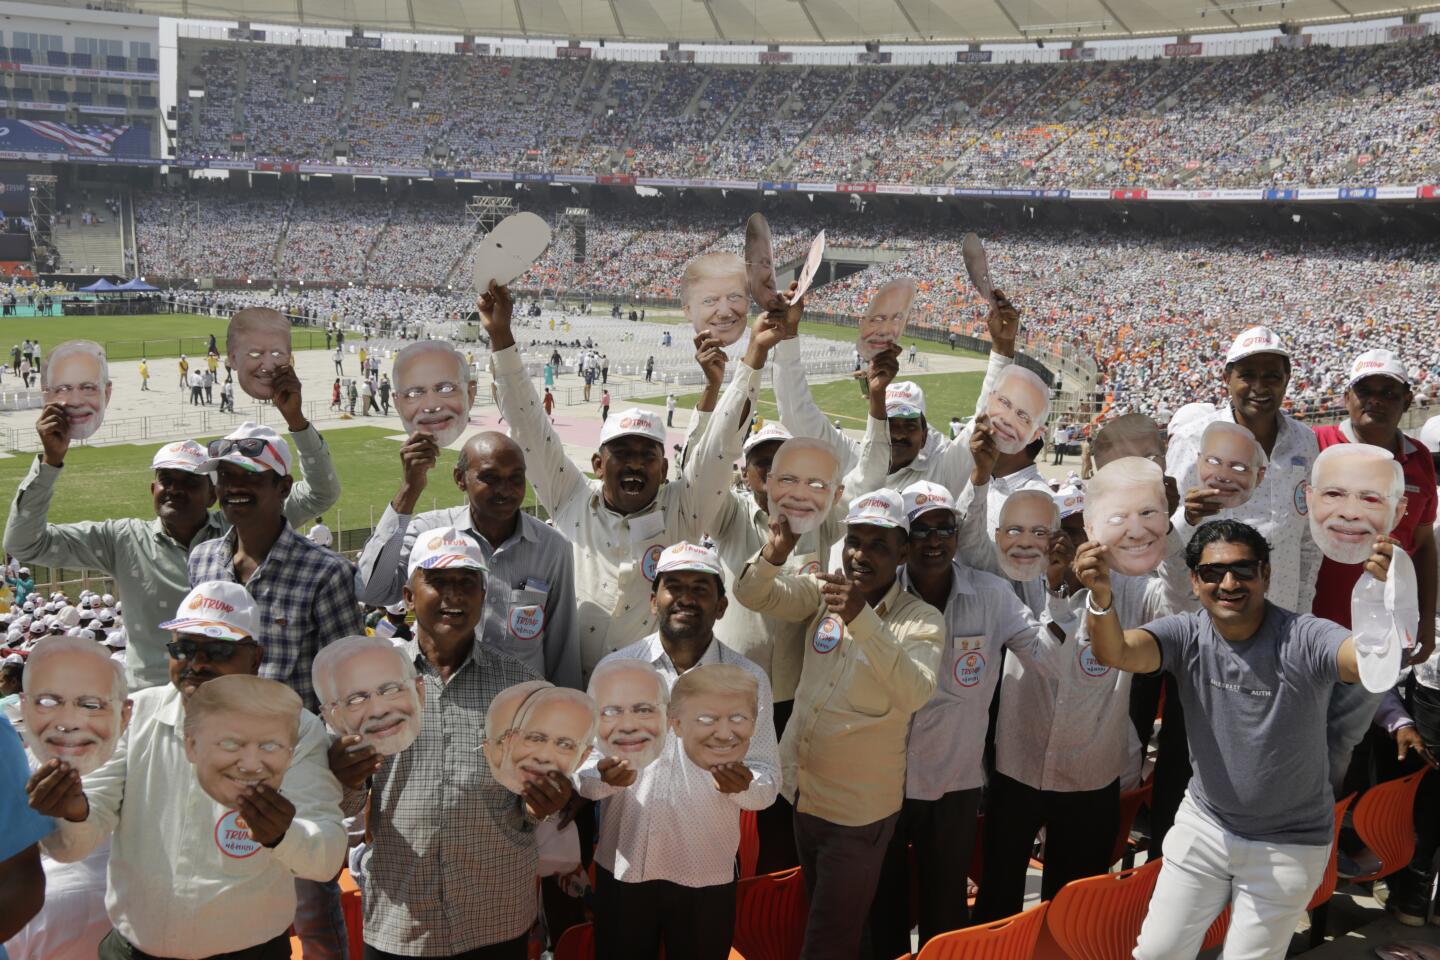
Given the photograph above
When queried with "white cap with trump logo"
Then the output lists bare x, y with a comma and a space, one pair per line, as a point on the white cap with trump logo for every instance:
924, 496
1378, 363
904, 401
688, 556
881, 508
445, 547
1253, 341
218, 609
633, 422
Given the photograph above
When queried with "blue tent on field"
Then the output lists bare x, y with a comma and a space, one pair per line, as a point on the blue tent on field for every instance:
136, 284
100, 286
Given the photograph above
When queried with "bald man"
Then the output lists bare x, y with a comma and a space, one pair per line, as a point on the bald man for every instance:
530, 591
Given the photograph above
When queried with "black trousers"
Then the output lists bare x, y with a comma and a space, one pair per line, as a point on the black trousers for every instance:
1424, 706
633, 920
517, 949
1172, 751
841, 866
1080, 831
776, 823
941, 836
116, 947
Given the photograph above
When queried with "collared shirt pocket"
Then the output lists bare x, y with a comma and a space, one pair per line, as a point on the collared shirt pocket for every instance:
525, 614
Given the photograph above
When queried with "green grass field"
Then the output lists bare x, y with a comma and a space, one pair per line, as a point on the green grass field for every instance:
114, 481
152, 335
946, 395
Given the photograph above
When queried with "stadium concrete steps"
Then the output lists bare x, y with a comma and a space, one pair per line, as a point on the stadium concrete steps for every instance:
98, 248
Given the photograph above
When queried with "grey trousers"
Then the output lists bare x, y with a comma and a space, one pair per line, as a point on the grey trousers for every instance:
841, 866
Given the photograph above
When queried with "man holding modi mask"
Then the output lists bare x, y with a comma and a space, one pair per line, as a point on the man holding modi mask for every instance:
368, 687
76, 378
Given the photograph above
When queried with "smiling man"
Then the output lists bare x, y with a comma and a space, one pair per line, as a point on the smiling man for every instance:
620, 521
76, 378
452, 851
1256, 376
1237, 839
275, 823
148, 557
665, 863
530, 595
869, 665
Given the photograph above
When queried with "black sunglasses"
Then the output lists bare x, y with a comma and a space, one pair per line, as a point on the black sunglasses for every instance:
930, 533
247, 446
1215, 572
212, 651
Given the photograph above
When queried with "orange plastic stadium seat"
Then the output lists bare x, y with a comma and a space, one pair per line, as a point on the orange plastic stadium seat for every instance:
770, 914
577, 943
1099, 918
1010, 939
1130, 803
354, 910
1385, 820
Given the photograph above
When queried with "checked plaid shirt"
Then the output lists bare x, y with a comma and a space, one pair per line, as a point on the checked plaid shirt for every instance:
306, 599
451, 862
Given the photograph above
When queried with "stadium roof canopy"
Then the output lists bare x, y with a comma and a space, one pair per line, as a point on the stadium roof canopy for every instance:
793, 21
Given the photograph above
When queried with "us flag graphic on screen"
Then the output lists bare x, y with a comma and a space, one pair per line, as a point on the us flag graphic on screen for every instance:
92, 139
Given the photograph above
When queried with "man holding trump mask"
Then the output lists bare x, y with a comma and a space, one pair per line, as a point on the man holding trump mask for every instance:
258, 348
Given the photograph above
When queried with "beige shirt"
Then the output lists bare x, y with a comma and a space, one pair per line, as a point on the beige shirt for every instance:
843, 754
615, 554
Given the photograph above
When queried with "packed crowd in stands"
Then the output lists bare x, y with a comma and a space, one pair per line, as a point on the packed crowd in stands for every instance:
1319, 115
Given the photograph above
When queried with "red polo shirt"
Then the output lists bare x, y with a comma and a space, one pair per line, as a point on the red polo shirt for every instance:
1336, 580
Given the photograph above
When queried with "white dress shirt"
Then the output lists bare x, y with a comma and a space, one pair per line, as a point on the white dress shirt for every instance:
172, 891
1276, 508
983, 618
615, 553
672, 823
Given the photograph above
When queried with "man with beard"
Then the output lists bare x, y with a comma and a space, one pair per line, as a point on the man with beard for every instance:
944, 774
305, 595
1237, 839
452, 851
916, 451
669, 832
869, 665
530, 595
147, 558
1256, 376
619, 522
149, 802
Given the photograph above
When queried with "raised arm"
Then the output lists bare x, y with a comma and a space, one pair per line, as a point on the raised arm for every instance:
1134, 651
874, 465
29, 538
319, 488
798, 411
761, 587
1004, 323
554, 477
381, 568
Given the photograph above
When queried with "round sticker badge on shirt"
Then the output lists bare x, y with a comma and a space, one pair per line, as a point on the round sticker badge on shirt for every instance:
232, 836
827, 634
1088, 664
1301, 507
810, 569
527, 622
651, 560
968, 668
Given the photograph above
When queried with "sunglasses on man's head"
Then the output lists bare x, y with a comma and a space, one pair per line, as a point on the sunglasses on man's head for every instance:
1215, 572
246, 446
213, 651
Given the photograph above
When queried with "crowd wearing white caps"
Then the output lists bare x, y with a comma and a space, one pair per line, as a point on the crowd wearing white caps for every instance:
868, 599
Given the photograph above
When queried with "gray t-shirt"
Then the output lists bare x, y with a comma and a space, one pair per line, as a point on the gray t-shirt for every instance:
1256, 721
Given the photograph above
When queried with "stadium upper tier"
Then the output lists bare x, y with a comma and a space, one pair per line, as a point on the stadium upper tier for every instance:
1153, 314
1315, 116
